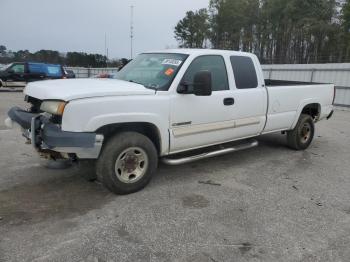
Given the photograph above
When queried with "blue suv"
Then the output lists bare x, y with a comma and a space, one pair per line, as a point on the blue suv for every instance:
19, 74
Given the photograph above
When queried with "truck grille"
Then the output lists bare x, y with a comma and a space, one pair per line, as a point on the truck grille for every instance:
34, 104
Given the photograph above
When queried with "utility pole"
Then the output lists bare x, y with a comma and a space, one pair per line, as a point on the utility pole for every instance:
106, 44
106, 49
131, 31
107, 57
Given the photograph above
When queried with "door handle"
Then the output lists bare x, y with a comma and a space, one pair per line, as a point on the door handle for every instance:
229, 101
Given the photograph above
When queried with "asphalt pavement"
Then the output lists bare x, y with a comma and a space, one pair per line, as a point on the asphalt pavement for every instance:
268, 203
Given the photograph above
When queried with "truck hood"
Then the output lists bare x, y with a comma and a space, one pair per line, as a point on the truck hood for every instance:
71, 89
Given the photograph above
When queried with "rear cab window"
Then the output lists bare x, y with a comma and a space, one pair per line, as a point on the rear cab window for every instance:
54, 71
244, 72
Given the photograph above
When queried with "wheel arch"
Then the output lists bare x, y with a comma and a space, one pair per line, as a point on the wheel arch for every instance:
311, 108
148, 129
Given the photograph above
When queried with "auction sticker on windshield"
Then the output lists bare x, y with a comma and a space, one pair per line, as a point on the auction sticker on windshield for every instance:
173, 62
169, 72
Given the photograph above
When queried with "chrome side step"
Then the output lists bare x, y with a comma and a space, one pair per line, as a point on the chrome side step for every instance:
224, 151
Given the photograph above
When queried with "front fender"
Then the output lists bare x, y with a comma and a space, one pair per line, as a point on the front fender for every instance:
89, 115
104, 120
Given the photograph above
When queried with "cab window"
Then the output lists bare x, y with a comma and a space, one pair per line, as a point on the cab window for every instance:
18, 69
244, 72
215, 64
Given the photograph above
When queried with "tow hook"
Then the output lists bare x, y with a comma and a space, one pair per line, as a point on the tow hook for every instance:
26, 135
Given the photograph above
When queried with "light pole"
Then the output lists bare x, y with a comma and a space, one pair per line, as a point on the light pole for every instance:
131, 31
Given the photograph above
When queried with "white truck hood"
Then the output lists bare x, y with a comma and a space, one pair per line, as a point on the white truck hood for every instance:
71, 89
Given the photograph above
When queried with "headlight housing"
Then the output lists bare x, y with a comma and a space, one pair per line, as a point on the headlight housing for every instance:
53, 107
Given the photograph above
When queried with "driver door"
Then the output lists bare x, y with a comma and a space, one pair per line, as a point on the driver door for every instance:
198, 121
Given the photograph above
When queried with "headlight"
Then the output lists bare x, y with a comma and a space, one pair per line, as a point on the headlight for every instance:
53, 107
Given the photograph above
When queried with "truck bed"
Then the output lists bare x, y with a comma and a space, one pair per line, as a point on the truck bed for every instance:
286, 100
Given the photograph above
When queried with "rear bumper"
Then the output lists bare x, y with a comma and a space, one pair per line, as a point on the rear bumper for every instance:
326, 112
47, 137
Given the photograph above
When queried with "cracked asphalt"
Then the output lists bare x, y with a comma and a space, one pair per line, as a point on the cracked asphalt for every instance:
265, 204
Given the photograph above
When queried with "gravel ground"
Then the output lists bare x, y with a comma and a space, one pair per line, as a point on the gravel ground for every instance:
264, 204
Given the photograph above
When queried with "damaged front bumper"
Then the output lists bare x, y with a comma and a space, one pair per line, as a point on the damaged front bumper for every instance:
48, 138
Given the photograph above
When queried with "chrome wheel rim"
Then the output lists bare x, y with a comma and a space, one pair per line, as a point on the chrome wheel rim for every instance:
131, 165
305, 133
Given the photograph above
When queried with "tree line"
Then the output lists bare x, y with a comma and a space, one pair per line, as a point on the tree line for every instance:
277, 31
78, 59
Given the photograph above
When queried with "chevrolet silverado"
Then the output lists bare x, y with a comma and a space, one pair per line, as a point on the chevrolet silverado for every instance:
175, 106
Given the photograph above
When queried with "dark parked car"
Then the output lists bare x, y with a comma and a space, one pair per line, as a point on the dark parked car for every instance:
19, 74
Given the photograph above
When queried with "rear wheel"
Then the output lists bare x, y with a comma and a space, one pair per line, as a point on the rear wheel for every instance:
127, 163
302, 135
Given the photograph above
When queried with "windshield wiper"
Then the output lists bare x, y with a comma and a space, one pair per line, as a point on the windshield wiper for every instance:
132, 81
148, 87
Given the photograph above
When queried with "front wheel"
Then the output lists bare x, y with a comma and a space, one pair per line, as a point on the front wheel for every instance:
302, 135
127, 163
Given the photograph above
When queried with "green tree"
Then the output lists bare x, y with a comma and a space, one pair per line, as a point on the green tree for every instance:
278, 31
346, 29
233, 23
48, 56
85, 60
3, 50
54, 57
22, 56
193, 30
346, 16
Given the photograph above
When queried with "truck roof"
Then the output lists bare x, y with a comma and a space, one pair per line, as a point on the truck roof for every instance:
189, 51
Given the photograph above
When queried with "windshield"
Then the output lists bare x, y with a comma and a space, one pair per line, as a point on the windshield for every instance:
155, 71
4, 68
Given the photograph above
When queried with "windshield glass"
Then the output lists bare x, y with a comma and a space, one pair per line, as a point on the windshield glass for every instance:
155, 71
6, 67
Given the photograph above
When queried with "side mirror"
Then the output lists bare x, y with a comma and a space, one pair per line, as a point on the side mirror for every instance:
10, 71
202, 84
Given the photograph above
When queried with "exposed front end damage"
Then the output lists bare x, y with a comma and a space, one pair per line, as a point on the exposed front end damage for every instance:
44, 132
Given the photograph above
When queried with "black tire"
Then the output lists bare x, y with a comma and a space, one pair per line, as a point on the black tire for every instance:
117, 152
87, 170
302, 135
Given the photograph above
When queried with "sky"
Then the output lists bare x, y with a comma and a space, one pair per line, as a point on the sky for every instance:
81, 25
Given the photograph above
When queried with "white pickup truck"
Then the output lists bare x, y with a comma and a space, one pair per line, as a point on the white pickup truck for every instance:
176, 106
